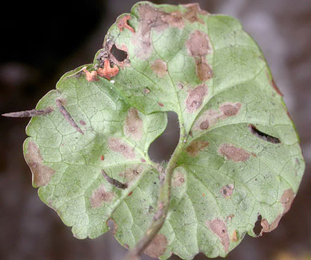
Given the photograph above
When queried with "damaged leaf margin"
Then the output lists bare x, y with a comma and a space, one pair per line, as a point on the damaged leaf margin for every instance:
235, 160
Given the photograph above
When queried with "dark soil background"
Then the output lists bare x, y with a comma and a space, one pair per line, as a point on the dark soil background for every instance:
41, 41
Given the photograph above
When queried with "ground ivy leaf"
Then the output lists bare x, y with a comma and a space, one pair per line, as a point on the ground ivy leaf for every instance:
241, 161
67, 165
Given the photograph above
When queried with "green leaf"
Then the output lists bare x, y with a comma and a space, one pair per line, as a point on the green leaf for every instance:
238, 162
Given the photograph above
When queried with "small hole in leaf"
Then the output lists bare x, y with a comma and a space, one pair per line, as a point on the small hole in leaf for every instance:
257, 228
163, 147
120, 55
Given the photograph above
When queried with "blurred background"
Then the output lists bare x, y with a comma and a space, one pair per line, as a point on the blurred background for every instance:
43, 40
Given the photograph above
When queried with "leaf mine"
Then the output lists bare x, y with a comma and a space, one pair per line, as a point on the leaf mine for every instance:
230, 169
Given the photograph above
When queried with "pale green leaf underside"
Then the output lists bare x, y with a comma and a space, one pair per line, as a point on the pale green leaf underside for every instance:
242, 157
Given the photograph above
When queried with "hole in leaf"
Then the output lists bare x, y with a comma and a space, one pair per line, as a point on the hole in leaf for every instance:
257, 228
120, 55
163, 147
263, 136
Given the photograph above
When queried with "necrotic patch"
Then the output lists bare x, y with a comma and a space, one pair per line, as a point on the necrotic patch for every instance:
117, 145
196, 147
198, 44
227, 190
219, 228
159, 67
41, 174
100, 195
157, 246
229, 108
195, 98
133, 125
233, 153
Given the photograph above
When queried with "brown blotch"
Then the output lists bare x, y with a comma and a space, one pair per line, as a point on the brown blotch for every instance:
153, 19
219, 228
159, 67
132, 173
90, 75
195, 98
107, 71
100, 195
287, 199
196, 147
204, 124
267, 227
234, 236
227, 190
82, 122
118, 146
230, 109
41, 174
178, 179
192, 14
157, 246
233, 153
122, 23
198, 44
203, 70
133, 125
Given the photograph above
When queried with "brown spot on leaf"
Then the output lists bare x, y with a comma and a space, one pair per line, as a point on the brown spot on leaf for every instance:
82, 122
203, 70
178, 179
157, 246
133, 125
192, 14
102, 157
234, 236
90, 75
233, 153
227, 190
204, 124
287, 199
159, 67
230, 109
196, 147
198, 44
107, 71
117, 145
219, 228
41, 174
100, 195
122, 23
267, 227
132, 173
195, 98
153, 19
160, 104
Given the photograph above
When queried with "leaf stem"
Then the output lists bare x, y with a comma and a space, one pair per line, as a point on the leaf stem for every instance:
163, 200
